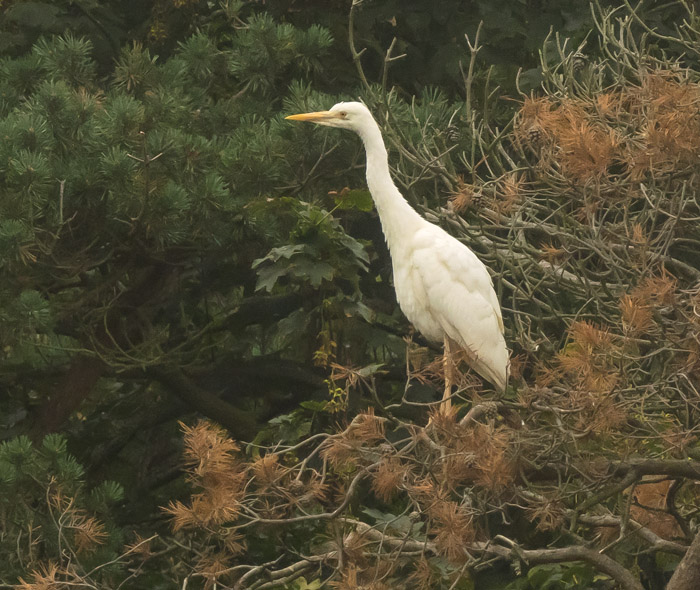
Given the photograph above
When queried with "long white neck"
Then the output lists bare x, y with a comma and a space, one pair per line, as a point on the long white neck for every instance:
398, 218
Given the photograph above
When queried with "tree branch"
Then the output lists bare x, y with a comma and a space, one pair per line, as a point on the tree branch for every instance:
687, 574
243, 425
601, 562
351, 41
656, 542
262, 310
74, 386
672, 467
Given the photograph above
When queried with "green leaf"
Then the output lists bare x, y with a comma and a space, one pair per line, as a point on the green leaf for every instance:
281, 252
356, 248
267, 277
315, 406
316, 272
292, 326
399, 524
543, 576
666, 562
378, 515
302, 584
358, 199
357, 308
372, 369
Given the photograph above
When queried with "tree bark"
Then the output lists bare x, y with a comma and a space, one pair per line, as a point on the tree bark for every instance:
600, 561
687, 574
242, 425
70, 391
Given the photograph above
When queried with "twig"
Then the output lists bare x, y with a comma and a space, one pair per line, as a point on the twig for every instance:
388, 59
351, 41
469, 77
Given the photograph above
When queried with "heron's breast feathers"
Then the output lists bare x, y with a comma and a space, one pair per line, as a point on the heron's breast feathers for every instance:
445, 290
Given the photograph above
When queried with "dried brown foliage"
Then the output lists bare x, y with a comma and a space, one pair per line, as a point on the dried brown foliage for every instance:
452, 528
589, 358
208, 450
423, 577
667, 105
86, 531
433, 372
366, 427
463, 197
424, 491
212, 465
355, 579
552, 253
266, 470
652, 127
341, 452
657, 290
578, 144
345, 448
590, 227
213, 567
387, 478
47, 578
509, 193
546, 513
636, 315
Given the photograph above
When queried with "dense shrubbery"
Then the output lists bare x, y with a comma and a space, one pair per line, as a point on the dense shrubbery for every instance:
170, 247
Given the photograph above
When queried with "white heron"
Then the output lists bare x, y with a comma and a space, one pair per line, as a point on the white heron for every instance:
444, 290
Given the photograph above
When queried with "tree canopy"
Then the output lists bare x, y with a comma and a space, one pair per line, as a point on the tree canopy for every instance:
207, 380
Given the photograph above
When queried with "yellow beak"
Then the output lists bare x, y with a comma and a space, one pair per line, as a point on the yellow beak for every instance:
317, 117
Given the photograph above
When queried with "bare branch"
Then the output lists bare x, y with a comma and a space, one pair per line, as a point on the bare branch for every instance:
687, 574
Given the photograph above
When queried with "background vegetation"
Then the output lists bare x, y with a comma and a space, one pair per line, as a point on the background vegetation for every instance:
206, 380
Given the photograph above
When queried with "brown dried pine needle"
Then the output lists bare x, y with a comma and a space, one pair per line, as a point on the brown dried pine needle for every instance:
266, 470
423, 577
452, 529
547, 513
509, 192
88, 532
214, 467
208, 450
388, 477
47, 577
669, 107
658, 290
341, 452
588, 358
463, 197
587, 149
354, 578
366, 427
636, 316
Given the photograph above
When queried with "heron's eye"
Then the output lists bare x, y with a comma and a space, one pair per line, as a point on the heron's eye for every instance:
343, 115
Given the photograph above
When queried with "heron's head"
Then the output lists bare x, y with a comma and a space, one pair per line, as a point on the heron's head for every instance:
346, 115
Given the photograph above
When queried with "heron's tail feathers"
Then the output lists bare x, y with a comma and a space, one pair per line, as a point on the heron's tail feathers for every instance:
495, 368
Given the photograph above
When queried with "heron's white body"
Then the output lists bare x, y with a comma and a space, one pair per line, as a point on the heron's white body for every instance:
441, 286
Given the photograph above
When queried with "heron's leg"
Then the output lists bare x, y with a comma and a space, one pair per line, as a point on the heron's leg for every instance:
449, 366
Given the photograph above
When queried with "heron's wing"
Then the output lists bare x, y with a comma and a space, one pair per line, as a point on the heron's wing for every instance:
461, 297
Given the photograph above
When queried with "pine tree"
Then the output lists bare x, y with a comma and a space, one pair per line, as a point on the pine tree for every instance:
131, 212
49, 514
171, 248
